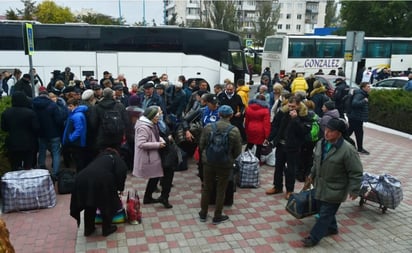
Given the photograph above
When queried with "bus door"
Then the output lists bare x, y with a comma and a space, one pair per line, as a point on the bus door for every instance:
106, 62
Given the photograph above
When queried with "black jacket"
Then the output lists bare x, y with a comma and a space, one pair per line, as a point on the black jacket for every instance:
104, 141
51, 119
24, 86
98, 184
290, 132
22, 124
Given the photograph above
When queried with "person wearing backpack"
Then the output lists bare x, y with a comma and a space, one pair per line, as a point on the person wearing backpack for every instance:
220, 144
110, 120
341, 90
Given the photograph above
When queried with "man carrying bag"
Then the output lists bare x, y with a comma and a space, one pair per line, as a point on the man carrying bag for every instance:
336, 172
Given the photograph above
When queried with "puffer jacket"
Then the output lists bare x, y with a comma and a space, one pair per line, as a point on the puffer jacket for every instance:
257, 121
299, 84
338, 174
360, 106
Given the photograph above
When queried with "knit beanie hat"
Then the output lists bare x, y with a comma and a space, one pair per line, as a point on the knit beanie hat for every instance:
151, 112
330, 105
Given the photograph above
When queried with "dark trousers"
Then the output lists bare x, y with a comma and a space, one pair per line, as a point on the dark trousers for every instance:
210, 174
238, 122
292, 158
89, 216
21, 159
357, 127
326, 221
167, 181
79, 157
306, 161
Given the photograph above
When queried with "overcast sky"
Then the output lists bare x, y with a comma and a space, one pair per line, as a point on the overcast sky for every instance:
131, 10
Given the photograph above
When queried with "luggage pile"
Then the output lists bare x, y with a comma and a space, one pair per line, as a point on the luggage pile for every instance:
27, 190
382, 189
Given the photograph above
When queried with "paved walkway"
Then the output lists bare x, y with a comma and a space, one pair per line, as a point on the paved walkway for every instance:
258, 223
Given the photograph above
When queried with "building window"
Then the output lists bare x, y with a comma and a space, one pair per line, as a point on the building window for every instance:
287, 27
280, 26
288, 16
299, 16
298, 27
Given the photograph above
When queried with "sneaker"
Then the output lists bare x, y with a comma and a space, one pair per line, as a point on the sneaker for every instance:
364, 152
202, 217
220, 219
273, 190
307, 242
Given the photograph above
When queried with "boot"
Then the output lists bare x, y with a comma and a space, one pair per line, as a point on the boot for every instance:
165, 202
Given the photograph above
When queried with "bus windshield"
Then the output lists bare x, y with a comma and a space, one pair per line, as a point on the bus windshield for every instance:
273, 44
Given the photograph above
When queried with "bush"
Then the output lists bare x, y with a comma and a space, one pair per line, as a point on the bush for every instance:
5, 103
391, 108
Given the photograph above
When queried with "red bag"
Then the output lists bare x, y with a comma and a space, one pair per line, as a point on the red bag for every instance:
134, 214
196, 155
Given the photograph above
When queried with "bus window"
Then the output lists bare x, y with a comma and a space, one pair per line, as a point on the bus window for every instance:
237, 59
401, 47
329, 49
378, 49
301, 48
273, 45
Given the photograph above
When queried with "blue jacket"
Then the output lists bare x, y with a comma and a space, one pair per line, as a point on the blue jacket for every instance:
209, 116
76, 126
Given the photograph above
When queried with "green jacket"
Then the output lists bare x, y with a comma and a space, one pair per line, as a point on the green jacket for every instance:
339, 174
235, 142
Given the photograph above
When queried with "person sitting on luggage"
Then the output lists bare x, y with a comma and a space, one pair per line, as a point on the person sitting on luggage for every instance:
337, 173
220, 170
98, 186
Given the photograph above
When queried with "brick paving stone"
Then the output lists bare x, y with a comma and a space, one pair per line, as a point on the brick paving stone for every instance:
258, 222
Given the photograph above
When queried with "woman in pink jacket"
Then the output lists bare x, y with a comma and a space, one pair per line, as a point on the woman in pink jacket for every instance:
147, 162
257, 123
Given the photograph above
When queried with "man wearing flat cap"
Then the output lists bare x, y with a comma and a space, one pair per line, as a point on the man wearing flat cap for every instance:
149, 98
336, 174
221, 170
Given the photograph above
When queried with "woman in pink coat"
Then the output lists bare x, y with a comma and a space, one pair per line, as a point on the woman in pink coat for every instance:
257, 123
147, 162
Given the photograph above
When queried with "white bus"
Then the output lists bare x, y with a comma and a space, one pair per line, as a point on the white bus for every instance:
136, 52
308, 54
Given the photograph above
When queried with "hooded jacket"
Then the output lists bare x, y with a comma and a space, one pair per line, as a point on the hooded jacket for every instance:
76, 128
147, 162
51, 119
21, 123
243, 92
290, 132
257, 121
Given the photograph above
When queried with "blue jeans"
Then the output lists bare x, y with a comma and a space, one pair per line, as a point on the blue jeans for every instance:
53, 145
326, 221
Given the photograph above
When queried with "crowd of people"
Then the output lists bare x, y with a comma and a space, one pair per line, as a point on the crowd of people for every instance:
91, 121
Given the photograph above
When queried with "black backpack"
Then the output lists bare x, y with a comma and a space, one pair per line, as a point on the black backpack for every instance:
217, 150
347, 102
112, 122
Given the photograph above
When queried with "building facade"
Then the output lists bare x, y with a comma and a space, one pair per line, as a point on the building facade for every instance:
296, 16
